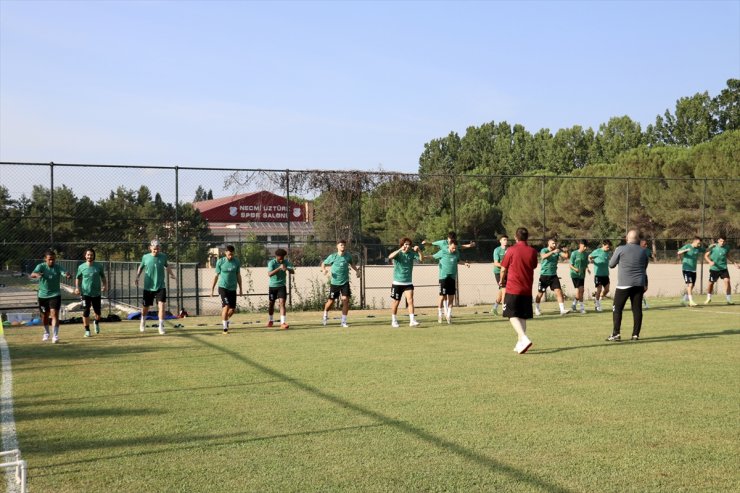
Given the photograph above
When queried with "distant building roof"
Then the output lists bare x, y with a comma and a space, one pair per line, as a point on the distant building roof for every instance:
252, 207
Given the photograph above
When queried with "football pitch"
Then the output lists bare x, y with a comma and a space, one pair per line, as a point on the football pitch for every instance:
372, 408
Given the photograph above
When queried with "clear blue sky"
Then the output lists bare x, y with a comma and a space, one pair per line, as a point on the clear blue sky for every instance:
352, 85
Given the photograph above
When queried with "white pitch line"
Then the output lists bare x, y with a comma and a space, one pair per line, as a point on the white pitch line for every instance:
7, 420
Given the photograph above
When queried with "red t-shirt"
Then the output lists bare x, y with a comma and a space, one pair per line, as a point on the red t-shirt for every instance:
520, 262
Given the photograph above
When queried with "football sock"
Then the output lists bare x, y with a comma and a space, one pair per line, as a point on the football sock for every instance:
270, 318
56, 331
394, 319
562, 306
412, 317
728, 297
344, 319
46, 329
282, 319
225, 324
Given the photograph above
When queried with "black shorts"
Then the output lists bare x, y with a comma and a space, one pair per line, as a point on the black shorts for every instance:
497, 275
578, 282
90, 302
517, 306
46, 304
343, 289
447, 286
149, 297
552, 282
228, 297
397, 290
716, 275
278, 293
601, 281
689, 277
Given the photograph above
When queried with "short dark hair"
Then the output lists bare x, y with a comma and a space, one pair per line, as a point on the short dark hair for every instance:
522, 234
50, 252
404, 240
230, 248
452, 235
280, 252
504, 236
722, 237
342, 240
452, 242
583, 242
697, 238
607, 242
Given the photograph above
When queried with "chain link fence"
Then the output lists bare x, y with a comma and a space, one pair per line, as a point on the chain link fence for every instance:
118, 209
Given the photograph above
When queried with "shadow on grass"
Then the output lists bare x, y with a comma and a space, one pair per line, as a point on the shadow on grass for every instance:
34, 402
646, 340
403, 426
181, 442
83, 412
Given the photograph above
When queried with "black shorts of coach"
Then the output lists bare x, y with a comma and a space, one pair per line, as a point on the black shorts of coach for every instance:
46, 304
601, 281
578, 282
336, 290
552, 282
228, 297
397, 290
447, 286
277, 293
689, 277
149, 296
716, 275
90, 302
517, 306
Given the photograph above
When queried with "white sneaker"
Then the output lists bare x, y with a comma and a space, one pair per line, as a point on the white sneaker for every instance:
345, 325
598, 309
537, 312
523, 346
583, 310
54, 340
325, 320
161, 331
141, 328
564, 312
449, 319
394, 324
439, 318
45, 337
413, 323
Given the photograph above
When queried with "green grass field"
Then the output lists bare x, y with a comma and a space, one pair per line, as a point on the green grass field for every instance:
372, 408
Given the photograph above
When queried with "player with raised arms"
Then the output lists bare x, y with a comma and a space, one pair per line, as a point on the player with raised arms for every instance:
277, 270
403, 286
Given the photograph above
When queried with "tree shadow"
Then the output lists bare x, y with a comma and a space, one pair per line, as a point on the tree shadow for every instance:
647, 340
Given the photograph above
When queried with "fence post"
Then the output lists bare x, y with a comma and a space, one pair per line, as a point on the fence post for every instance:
627, 208
51, 206
178, 292
288, 219
197, 290
703, 219
544, 211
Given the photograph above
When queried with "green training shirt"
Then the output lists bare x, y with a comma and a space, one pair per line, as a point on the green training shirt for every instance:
49, 280
690, 256
154, 271
718, 255
278, 280
228, 273
601, 262
403, 266
549, 265
579, 260
447, 263
90, 278
498, 256
339, 267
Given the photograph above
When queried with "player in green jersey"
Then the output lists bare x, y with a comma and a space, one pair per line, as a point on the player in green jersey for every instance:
277, 270
578, 271
600, 258
154, 265
689, 254
228, 276
717, 256
549, 257
448, 260
498, 257
89, 282
403, 286
442, 244
340, 263
49, 275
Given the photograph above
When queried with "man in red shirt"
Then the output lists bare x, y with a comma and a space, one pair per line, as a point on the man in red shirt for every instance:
517, 275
